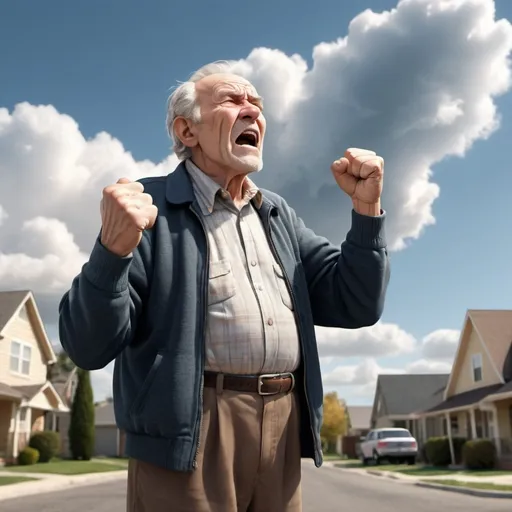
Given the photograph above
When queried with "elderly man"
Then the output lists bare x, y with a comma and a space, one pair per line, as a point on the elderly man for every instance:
205, 290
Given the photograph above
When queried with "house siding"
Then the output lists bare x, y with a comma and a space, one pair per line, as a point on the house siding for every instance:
21, 330
504, 418
463, 380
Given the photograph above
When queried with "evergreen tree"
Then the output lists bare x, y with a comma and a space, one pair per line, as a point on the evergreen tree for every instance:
81, 428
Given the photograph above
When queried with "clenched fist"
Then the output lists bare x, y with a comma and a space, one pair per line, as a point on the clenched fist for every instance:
359, 174
126, 211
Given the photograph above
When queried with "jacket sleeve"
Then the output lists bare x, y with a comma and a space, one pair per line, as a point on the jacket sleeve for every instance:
98, 315
347, 285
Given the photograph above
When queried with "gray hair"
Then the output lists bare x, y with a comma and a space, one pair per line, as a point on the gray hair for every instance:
183, 102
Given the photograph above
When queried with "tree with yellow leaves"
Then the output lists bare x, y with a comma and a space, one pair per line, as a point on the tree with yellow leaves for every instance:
336, 422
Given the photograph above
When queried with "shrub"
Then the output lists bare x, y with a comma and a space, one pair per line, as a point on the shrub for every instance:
28, 456
437, 450
47, 443
81, 427
479, 454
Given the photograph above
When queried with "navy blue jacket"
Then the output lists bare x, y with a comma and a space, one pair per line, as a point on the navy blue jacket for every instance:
148, 312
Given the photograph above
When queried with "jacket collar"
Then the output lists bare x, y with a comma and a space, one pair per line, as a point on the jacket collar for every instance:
179, 189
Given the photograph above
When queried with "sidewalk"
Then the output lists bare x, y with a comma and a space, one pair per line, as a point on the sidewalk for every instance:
53, 482
435, 481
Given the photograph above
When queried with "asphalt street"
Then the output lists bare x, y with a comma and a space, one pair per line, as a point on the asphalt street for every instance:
324, 490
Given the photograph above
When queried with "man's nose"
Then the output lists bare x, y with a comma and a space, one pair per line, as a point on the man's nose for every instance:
250, 112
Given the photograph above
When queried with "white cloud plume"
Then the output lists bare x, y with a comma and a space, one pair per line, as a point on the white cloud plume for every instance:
416, 84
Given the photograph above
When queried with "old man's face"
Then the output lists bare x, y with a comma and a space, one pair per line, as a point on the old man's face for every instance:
232, 126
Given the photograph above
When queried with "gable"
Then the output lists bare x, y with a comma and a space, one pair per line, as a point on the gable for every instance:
20, 320
470, 345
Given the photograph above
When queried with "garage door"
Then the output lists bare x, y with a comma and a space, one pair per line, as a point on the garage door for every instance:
106, 441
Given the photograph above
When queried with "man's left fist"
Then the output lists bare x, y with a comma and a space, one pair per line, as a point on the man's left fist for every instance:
359, 174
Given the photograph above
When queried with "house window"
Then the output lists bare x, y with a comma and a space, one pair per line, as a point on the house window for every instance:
476, 364
23, 420
454, 423
20, 358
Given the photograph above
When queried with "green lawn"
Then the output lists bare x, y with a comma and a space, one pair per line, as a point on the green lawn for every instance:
471, 485
72, 467
7, 480
419, 470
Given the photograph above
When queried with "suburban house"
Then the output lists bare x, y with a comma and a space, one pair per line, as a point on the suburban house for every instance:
399, 398
65, 383
359, 424
28, 400
360, 418
109, 440
477, 400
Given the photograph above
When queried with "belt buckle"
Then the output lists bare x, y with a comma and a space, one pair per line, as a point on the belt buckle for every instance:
273, 376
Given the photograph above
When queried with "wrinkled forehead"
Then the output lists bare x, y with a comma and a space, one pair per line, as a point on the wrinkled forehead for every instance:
221, 84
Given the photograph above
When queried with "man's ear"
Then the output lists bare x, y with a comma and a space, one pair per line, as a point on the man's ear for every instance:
184, 130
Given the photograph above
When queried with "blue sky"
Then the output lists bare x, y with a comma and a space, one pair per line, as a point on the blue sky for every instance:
109, 66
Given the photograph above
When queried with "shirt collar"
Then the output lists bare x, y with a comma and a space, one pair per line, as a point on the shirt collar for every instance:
207, 190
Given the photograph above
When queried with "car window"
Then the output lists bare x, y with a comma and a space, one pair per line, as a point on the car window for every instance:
394, 433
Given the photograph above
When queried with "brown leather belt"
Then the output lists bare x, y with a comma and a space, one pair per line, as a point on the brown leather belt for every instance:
265, 384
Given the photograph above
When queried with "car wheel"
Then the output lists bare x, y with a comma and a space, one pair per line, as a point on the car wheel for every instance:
411, 461
376, 458
364, 460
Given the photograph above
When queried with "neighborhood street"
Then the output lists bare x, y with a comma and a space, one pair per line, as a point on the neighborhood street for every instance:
324, 490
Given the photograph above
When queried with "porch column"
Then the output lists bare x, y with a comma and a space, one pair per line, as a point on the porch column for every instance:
473, 423
450, 440
424, 429
16, 416
496, 425
28, 421
54, 421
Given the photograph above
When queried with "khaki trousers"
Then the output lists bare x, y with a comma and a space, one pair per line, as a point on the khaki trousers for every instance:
248, 461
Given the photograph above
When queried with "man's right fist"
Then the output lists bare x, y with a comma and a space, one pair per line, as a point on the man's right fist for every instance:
126, 211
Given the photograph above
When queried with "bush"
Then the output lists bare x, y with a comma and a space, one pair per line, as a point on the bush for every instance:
437, 450
479, 454
47, 443
28, 456
81, 427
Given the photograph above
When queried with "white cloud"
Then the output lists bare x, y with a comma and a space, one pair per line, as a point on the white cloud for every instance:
416, 84
376, 341
429, 366
441, 344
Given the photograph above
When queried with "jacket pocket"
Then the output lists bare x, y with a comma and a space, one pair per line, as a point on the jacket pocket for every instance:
221, 285
138, 403
282, 287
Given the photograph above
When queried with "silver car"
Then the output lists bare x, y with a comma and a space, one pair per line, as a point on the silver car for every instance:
391, 444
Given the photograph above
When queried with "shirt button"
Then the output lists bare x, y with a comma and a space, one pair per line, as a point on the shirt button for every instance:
253, 263
270, 321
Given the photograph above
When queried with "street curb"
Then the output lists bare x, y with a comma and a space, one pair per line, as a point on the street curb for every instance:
58, 483
481, 493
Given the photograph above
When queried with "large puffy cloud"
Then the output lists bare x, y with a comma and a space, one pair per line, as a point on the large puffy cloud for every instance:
378, 340
416, 84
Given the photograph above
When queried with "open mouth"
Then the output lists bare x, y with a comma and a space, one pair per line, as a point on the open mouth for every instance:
248, 138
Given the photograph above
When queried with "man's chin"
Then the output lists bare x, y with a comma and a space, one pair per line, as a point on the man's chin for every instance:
248, 163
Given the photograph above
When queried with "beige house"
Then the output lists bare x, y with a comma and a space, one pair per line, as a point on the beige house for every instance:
28, 401
477, 400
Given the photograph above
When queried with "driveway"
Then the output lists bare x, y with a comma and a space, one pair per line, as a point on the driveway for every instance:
324, 490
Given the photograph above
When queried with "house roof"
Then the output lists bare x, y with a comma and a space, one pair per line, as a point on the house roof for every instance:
405, 394
360, 416
29, 392
466, 399
8, 391
104, 415
10, 303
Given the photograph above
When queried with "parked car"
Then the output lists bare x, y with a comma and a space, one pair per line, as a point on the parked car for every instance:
391, 444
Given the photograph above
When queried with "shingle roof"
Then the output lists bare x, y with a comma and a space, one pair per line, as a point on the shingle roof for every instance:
29, 392
9, 303
10, 392
104, 415
467, 398
360, 416
405, 394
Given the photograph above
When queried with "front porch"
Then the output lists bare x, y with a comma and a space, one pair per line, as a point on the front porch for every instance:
23, 415
477, 416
